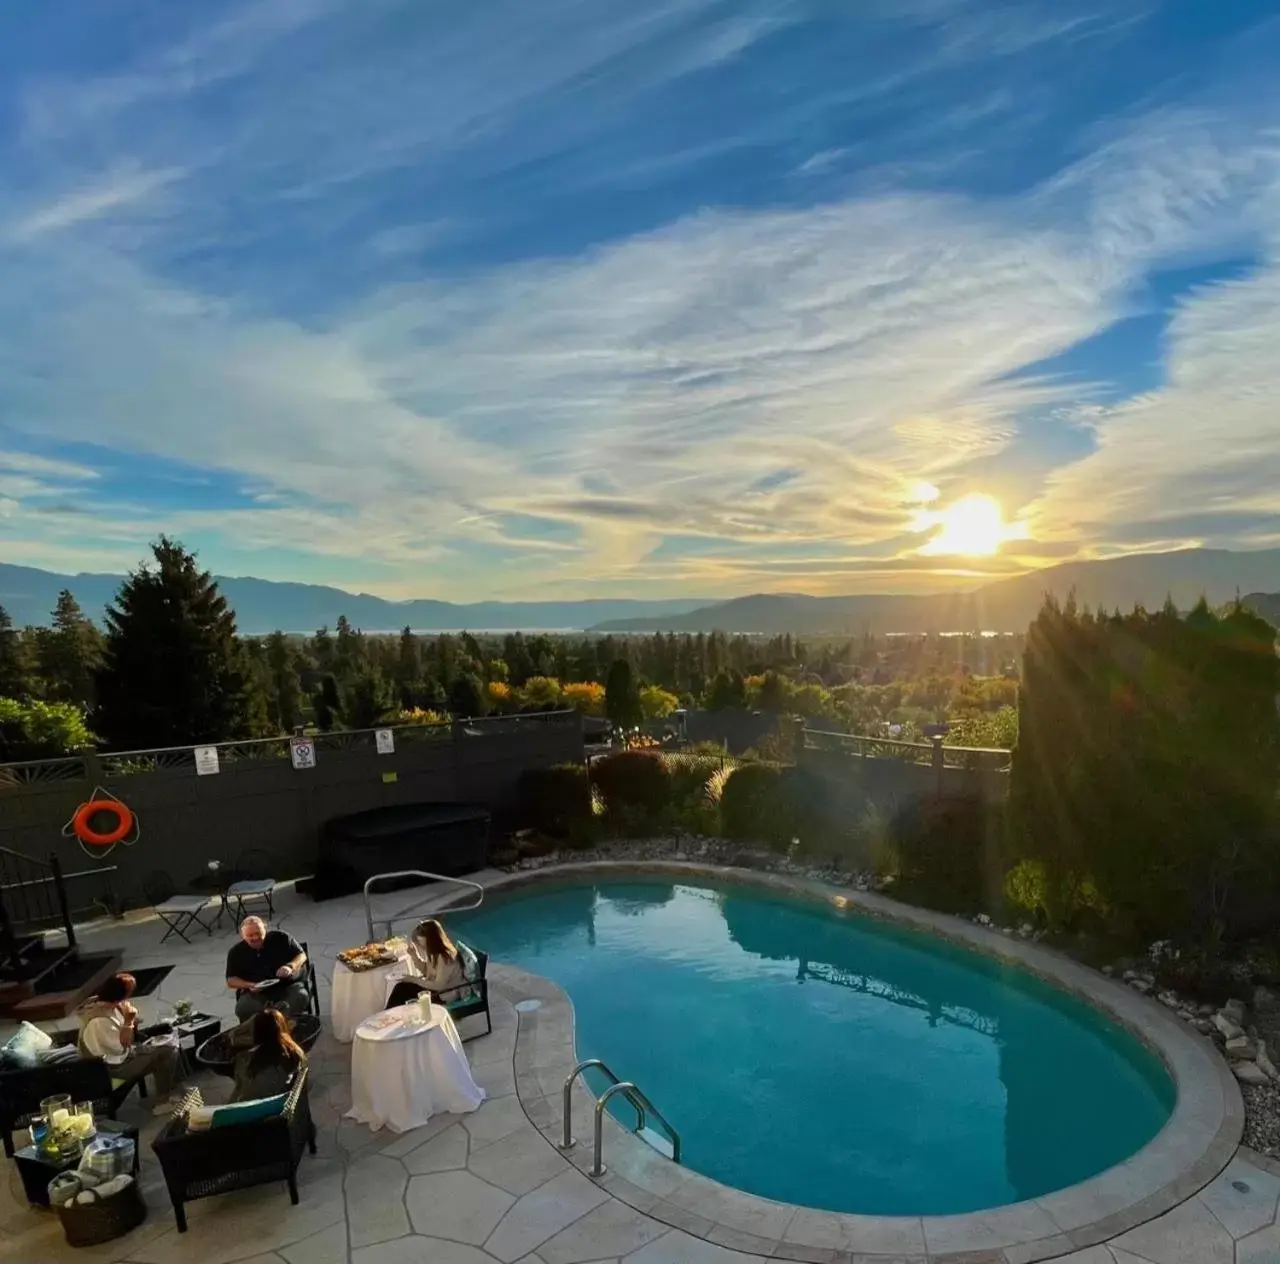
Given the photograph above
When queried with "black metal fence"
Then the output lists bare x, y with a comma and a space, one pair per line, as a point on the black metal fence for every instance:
200, 804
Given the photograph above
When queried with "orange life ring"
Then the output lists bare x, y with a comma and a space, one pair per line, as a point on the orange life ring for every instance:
85, 832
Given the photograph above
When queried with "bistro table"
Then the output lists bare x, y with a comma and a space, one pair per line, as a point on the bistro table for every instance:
404, 1070
359, 994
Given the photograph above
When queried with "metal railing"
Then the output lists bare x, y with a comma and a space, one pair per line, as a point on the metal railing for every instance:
412, 910
929, 754
644, 1108
93, 766
33, 898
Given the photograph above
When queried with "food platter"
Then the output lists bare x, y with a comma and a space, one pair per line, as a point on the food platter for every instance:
371, 956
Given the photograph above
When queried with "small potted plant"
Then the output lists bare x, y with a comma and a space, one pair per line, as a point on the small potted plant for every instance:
183, 1011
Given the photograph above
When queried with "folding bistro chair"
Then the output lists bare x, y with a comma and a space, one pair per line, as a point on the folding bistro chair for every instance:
251, 882
178, 912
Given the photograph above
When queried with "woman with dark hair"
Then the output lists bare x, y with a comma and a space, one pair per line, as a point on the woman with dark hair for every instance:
109, 1030
438, 964
269, 1065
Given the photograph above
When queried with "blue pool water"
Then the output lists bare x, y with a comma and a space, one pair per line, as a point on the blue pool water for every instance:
830, 1060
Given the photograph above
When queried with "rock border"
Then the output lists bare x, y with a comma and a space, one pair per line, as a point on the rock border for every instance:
1200, 1138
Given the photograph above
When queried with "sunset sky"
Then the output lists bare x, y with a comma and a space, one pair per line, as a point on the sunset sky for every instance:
539, 298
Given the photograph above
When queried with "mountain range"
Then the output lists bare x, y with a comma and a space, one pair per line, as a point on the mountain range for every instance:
1006, 605
263, 605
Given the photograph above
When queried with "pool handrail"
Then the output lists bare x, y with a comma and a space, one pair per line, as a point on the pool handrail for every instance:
634, 1095
412, 909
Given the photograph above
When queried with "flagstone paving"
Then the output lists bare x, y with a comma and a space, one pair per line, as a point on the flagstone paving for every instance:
492, 1187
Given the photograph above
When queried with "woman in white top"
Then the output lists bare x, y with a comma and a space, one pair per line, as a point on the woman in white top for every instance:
436, 961
109, 1029
438, 965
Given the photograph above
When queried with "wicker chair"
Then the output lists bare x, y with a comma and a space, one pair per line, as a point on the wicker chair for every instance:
218, 1160
82, 1079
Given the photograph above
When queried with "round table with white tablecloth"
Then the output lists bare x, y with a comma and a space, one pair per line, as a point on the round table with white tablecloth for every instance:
359, 994
403, 1070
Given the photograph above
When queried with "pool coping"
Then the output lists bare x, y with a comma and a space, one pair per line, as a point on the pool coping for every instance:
1200, 1138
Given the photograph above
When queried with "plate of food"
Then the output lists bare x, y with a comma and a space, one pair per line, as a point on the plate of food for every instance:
367, 957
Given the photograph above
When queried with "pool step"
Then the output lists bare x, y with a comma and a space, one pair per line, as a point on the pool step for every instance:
658, 1141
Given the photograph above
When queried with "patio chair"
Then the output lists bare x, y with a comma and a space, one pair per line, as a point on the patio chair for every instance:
82, 1079
461, 1002
252, 882
311, 980
178, 912
238, 1156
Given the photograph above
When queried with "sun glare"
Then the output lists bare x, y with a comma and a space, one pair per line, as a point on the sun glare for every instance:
973, 526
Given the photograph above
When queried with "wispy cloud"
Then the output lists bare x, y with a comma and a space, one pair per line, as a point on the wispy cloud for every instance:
89, 202
472, 310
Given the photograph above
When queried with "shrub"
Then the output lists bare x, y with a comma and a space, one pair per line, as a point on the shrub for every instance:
941, 846
635, 783
556, 801
756, 804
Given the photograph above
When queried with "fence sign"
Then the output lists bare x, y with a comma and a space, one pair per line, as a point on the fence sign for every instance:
206, 761
302, 751
386, 741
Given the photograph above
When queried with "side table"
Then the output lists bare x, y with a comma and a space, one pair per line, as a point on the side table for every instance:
37, 1170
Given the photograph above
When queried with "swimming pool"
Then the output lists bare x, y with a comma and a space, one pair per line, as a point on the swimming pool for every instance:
829, 1059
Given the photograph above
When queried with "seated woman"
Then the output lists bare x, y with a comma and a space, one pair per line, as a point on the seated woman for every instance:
442, 968
269, 1065
109, 1030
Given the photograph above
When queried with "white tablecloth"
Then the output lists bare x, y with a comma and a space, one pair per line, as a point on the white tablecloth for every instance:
401, 1075
358, 994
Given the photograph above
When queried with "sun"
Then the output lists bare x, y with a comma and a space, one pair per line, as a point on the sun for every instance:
973, 526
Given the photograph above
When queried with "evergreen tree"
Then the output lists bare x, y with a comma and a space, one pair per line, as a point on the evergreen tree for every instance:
68, 654
621, 697
13, 667
466, 697
285, 696
365, 701
173, 672
327, 704
408, 671
728, 690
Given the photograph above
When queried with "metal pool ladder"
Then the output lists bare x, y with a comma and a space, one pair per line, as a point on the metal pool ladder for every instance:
411, 910
623, 1088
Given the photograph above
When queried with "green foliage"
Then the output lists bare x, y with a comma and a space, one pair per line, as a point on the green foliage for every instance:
877, 843
941, 847
621, 698
367, 700
993, 730
635, 783
656, 703
68, 654
755, 805
327, 705
41, 730
13, 671
556, 801
173, 672
728, 690
466, 697
1147, 768
284, 688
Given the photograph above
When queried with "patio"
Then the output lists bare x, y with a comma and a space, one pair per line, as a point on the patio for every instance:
491, 1187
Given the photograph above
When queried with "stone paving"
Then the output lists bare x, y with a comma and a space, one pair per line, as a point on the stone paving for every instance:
491, 1186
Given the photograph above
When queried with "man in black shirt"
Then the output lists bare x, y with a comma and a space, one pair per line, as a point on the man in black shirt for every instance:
266, 957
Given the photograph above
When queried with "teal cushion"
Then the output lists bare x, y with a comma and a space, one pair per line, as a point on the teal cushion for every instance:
248, 1112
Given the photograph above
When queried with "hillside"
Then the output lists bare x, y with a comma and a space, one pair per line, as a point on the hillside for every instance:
1265, 604
263, 606
1007, 605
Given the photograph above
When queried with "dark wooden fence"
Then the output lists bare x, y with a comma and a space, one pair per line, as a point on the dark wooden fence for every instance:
259, 800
